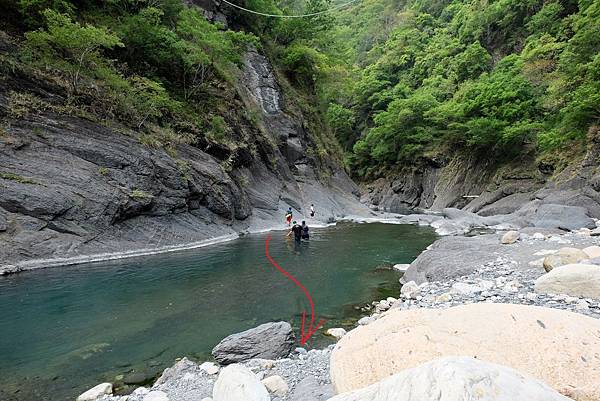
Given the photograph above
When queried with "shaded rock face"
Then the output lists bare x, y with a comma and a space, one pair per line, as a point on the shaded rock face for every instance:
456, 379
70, 187
82, 187
267, 341
476, 184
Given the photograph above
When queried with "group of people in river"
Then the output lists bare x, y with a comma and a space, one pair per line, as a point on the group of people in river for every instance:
300, 231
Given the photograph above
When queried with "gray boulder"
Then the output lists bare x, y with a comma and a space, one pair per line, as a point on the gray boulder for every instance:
451, 257
267, 341
560, 216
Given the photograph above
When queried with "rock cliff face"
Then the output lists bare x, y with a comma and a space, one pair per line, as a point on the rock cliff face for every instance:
476, 184
70, 187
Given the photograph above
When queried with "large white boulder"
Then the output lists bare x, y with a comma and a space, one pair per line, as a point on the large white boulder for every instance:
564, 256
237, 383
555, 346
96, 392
456, 379
576, 280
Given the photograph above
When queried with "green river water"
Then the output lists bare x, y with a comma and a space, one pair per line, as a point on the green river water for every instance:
65, 329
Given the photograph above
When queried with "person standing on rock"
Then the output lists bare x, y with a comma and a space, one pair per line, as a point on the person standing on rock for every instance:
288, 216
312, 210
305, 234
297, 230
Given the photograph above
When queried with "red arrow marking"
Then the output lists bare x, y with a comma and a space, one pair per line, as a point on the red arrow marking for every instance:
304, 335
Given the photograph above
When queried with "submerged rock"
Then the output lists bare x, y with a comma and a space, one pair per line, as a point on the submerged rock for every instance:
456, 379
237, 383
137, 378
267, 341
554, 346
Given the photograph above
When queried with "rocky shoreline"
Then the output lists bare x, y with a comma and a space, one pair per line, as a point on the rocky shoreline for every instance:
503, 272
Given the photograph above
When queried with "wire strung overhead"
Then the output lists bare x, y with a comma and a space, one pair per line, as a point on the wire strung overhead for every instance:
291, 16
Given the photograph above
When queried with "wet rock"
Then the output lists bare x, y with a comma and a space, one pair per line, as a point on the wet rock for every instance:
96, 392
402, 267
238, 383
267, 341
337, 332
456, 378
363, 321
136, 378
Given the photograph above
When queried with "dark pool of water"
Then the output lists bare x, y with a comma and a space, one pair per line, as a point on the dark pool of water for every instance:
65, 329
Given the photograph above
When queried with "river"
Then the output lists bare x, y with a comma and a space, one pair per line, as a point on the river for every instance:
65, 329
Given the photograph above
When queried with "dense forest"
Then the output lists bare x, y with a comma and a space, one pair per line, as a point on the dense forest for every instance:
396, 81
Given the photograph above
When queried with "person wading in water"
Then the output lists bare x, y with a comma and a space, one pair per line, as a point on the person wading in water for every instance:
288, 216
297, 230
305, 231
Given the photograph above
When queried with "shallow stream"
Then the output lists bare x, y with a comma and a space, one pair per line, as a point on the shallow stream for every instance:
65, 329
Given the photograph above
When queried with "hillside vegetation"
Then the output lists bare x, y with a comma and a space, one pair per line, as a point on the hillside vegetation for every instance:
396, 82
493, 77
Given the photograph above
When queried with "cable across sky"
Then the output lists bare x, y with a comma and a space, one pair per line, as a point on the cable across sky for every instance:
292, 16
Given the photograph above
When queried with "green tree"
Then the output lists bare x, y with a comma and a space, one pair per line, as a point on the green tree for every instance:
203, 46
33, 10
341, 120
150, 99
73, 48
